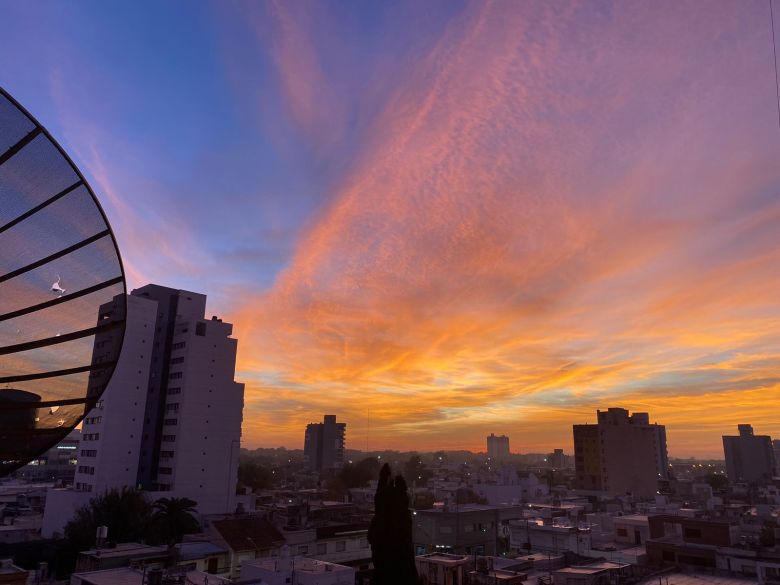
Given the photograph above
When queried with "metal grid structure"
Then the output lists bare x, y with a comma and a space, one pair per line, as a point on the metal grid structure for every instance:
62, 291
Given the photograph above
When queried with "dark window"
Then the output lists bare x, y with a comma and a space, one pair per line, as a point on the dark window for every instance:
692, 533
200, 329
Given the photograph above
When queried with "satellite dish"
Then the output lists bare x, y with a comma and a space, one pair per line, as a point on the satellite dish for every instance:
62, 291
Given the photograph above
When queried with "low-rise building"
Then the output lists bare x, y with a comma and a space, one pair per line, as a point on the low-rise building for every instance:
633, 529
681, 540
443, 568
10, 574
245, 539
286, 569
600, 573
532, 534
145, 576
466, 529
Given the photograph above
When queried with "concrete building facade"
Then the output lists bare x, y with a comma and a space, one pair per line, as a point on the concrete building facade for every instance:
323, 446
620, 454
170, 420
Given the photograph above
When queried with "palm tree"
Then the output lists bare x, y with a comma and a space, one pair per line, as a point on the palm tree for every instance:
173, 518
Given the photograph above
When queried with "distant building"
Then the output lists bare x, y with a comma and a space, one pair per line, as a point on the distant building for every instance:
620, 454
498, 446
749, 458
557, 459
170, 419
323, 446
776, 449
58, 464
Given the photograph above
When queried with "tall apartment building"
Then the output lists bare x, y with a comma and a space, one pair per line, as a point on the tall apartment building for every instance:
170, 419
749, 458
323, 445
498, 447
620, 454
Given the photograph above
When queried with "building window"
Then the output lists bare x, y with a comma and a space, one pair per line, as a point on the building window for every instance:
174, 390
164, 470
622, 532
303, 549
171, 421
200, 329
172, 407
322, 548
341, 545
179, 345
169, 438
692, 533
177, 360
166, 454
176, 376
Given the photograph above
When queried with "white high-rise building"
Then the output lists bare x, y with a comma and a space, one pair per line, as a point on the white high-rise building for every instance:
170, 420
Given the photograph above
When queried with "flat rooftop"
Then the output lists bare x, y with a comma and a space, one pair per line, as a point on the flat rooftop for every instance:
126, 549
697, 579
128, 576
301, 565
445, 558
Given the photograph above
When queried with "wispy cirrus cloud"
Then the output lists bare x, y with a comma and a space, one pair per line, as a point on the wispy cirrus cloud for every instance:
465, 217
541, 217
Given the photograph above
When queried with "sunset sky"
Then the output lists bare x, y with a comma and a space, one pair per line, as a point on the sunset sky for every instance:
464, 217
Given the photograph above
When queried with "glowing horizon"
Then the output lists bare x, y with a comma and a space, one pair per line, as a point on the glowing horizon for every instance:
469, 218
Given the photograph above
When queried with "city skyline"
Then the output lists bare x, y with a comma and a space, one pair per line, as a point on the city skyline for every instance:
467, 219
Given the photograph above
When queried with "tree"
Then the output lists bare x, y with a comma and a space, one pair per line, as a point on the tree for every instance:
390, 533
416, 471
172, 519
359, 474
254, 475
126, 513
717, 482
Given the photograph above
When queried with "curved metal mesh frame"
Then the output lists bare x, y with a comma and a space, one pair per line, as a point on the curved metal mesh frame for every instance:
62, 291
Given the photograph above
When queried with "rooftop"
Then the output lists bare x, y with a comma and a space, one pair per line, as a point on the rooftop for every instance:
128, 576
125, 549
298, 564
445, 558
250, 533
698, 579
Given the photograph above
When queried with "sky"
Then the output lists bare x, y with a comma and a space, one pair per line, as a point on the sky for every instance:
445, 218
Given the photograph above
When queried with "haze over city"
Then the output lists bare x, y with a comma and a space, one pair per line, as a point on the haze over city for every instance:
462, 217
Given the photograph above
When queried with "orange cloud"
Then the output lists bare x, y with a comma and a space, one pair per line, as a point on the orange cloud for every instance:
538, 227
